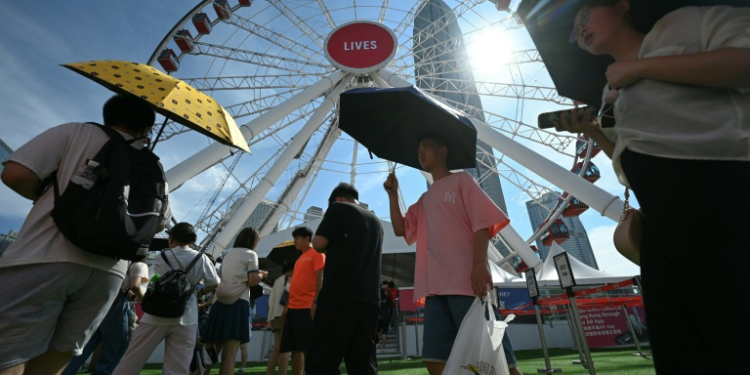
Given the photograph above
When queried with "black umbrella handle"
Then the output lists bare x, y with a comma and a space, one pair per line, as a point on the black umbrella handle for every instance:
161, 130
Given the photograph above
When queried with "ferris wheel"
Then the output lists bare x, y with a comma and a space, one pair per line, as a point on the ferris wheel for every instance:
274, 66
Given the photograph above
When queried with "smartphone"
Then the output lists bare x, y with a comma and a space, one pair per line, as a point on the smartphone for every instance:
550, 119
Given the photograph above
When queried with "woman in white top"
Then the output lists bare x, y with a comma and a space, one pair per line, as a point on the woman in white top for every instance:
276, 317
178, 333
681, 101
228, 325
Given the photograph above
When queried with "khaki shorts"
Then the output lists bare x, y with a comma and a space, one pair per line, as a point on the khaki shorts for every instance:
51, 306
277, 325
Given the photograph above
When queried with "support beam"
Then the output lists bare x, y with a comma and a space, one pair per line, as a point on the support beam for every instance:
211, 155
266, 183
290, 194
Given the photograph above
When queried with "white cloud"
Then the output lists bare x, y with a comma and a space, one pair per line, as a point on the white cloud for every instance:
607, 257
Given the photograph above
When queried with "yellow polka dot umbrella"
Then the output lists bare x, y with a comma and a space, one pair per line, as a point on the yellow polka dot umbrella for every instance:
171, 97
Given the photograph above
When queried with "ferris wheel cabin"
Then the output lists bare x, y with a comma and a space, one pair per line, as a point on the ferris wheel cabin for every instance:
557, 232
582, 147
592, 172
523, 267
246, 3
184, 40
223, 11
168, 60
202, 23
575, 208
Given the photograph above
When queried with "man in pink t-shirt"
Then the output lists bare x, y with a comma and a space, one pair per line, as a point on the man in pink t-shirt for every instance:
452, 224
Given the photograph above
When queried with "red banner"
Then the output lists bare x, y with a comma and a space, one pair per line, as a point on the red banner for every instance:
606, 326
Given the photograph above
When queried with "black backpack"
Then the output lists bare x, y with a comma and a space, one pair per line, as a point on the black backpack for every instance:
168, 296
123, 210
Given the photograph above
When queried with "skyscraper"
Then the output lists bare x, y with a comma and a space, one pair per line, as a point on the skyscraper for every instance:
578, 245
313, 213
5, 151
6, 240
446, 72
256, 218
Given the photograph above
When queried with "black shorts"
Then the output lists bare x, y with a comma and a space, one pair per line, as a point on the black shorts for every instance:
343, 331
297, 330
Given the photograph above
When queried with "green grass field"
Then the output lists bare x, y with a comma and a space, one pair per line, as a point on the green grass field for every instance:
606, 361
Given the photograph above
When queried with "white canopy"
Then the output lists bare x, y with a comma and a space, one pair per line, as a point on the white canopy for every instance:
391, 243
584, 275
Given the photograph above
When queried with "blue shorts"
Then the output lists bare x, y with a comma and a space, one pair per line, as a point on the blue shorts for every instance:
442, 318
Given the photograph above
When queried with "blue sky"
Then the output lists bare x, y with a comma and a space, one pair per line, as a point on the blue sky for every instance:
37, 94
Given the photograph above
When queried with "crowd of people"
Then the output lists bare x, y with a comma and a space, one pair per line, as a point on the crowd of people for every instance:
327, 307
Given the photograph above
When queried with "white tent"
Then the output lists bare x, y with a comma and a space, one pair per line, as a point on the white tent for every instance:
584, 275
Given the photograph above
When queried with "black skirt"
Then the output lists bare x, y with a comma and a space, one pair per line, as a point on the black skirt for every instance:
227, 322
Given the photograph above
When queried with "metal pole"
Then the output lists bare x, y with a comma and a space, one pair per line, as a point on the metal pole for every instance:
584, 344
548, 367
416, 332
632, 333
597, 198
211, 155
266, 183
576, 339
402, 337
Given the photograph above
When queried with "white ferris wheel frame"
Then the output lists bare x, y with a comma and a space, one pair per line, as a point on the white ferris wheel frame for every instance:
331, 85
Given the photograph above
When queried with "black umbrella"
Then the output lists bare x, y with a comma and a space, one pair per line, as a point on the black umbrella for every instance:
577, 74
283, 252
391, 122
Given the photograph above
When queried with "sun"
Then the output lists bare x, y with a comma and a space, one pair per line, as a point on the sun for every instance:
490, 52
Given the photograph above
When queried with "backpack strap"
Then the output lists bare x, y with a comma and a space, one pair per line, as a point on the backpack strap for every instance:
164, 256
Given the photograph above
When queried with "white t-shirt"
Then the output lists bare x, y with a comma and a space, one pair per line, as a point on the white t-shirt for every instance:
64, 148
279, 286
682, 121
203, 269
236, 264
137, 270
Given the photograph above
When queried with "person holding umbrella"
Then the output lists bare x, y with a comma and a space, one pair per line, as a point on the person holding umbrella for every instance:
58, 294
452, 224
681, 99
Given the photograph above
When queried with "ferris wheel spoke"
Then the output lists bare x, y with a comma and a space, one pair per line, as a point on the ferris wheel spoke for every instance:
256, 58
327, 14
408, 19
277, 39
492, 89
383, 11
260, 104
557, 142
297, 22
286, 200
256, 82
289, 153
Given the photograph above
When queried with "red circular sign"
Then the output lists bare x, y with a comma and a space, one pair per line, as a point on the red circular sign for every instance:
361, 47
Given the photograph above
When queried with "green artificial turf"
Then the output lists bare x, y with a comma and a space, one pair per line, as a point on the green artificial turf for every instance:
606, 362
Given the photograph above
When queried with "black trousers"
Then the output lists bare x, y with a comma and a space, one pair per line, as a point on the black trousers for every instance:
343, 331
693, 258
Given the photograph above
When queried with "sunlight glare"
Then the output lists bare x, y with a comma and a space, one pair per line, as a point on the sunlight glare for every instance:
490, 52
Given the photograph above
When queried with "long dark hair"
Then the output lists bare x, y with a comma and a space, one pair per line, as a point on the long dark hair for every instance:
247, 238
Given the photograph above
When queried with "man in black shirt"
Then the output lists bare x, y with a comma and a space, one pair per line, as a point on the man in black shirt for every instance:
345, 323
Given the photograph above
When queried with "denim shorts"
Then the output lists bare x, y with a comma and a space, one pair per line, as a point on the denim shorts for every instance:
442, 318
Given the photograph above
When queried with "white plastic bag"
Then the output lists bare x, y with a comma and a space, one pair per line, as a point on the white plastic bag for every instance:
478, 348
